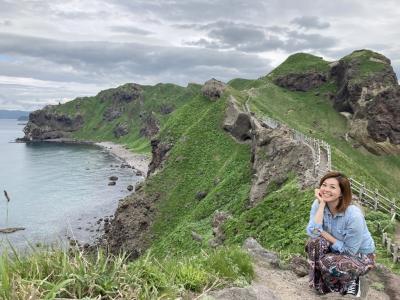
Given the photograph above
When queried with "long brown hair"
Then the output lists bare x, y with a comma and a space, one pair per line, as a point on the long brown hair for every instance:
344, 184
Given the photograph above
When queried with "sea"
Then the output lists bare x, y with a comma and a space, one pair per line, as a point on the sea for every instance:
57, 191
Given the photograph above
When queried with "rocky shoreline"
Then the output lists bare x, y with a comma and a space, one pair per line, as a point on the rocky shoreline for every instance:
137, 161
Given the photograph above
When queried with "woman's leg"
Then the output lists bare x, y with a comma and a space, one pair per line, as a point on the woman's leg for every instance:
316, 248
338, 270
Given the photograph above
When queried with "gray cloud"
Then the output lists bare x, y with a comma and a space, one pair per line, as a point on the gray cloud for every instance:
130, 29
250, 38
309, 22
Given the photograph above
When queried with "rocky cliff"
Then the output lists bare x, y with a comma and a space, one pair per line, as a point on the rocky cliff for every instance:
369, 92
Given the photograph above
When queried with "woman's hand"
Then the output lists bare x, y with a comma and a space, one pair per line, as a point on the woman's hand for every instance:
319, 197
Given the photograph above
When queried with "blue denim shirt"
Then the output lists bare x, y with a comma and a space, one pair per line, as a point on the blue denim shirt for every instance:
348, 228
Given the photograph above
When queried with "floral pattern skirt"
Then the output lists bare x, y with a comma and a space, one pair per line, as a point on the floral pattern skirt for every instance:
333, 272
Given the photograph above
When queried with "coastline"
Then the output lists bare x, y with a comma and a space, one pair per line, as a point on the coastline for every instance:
137, 161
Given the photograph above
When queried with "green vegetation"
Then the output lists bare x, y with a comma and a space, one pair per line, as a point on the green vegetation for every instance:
48, 273
134, 113
204, 158
367, 63
300, 63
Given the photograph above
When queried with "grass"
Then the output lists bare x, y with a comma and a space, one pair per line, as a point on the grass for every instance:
49, 273
300, 63
312, 113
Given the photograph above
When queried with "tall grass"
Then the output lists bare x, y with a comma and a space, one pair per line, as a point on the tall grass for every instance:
50, 273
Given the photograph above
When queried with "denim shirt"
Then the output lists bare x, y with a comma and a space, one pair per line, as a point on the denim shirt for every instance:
348, 228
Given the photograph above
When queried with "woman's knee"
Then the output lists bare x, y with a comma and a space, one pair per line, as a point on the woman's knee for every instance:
317, 243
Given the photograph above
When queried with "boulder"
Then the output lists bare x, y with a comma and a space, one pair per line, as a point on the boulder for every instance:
219, 218
213, 89
200, 195
112, 183
129, 187
113, 178
259, 253
237, 122
299, 266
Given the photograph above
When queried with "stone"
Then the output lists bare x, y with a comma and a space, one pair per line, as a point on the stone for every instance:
113, 178
299, 266
201, 195
112, 183
257, 251
213, 89
197, 237
129, 187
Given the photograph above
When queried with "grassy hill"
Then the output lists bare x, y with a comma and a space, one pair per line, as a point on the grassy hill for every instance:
207, 159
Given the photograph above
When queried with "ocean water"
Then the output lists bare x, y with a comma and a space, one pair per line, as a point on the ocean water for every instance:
56, 190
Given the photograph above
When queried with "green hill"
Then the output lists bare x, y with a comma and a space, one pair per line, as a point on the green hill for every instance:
207, 171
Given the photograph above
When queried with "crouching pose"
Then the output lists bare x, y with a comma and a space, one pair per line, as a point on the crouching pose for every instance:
340, 248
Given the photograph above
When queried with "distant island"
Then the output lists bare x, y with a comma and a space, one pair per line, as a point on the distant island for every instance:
14, 114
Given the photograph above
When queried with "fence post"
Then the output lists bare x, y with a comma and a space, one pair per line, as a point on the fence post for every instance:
361, 193
395, 252
384, 236
388, 246
376, 199
393, 210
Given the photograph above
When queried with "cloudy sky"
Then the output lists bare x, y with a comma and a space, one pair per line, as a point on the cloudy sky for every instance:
53, 51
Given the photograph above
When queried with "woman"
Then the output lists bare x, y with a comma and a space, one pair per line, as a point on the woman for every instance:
341, 248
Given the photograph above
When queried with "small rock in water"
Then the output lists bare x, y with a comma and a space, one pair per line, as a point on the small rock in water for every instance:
112, 183
130, 187
113, 178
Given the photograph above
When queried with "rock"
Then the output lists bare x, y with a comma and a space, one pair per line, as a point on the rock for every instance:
45, 124
299, 266
112, 113
123, 94
218, 221
237, 293
371, 98
129, 187
159, 152
301, 81
112, 183
113, 178
139, 173
237, 122
11, 229
166, 109
213, 89
121, 130
275, 154
151, 126
197, 237
258, 252
201, 195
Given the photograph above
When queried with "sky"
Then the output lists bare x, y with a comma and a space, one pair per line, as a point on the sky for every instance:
54, 51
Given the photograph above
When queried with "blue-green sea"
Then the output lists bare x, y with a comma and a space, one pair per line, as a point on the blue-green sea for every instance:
56, 190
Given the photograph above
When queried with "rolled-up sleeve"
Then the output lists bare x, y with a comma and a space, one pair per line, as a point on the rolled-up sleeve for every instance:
314, 229
353, 236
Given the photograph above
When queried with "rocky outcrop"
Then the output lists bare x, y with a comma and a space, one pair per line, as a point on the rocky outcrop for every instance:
45, 124
150, 126
123, 94
129, 231
237, 122
301, 81
121, 130
213, 89
369, 92
219, 219
159, 152
276, 155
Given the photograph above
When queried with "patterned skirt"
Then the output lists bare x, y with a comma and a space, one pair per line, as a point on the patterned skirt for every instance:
333, 272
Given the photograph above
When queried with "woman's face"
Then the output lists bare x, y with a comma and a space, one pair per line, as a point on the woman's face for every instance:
330, 190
